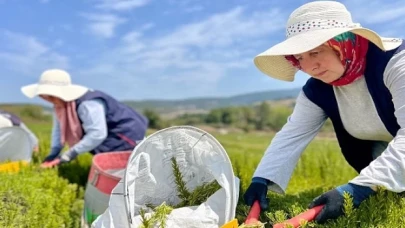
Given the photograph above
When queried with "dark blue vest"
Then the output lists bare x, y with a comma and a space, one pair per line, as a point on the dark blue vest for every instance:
15, 120
125, 125
358, 153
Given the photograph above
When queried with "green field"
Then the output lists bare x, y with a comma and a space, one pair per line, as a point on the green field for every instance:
54, 198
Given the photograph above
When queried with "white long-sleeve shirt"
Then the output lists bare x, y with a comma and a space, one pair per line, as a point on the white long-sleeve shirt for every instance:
92, 114
360, 119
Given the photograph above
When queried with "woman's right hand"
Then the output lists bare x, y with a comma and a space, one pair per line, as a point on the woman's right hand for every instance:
50, 157
53, 154
257, 190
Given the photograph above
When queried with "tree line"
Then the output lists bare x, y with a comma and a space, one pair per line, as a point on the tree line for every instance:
259, 117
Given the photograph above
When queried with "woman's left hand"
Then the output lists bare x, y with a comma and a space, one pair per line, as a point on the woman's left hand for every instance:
333, 200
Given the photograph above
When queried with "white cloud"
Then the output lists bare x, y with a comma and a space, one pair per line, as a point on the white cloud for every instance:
25, 54
198, 53
376, 11
103, 25
147, 26
21, 43
224, 29
132, 37
387, 15
121, 5
104, 29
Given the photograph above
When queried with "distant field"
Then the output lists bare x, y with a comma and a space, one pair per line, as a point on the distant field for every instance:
320, 168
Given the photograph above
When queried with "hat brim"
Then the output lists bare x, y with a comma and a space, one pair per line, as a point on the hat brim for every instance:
66, 93
5, 122
272, 62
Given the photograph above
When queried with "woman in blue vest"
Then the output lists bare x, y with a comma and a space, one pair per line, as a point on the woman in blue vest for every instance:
358, 81
86, 119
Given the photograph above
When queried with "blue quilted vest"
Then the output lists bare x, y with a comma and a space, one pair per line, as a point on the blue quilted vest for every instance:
358, 153
125, 125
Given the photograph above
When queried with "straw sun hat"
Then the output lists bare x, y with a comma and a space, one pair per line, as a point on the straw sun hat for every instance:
57, 83
308, 27
5, 122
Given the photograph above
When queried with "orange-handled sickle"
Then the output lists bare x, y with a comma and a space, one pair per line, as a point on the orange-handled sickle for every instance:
307, 215
254, 213
251, 219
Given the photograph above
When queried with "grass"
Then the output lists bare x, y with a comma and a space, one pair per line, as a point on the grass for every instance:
320, 168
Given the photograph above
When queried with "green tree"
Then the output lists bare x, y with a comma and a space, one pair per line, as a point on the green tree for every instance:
155, 121
279, 115
214, 116
230, 115
32, 112
263, 116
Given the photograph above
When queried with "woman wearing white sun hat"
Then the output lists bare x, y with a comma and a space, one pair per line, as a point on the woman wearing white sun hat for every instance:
86, 119
358, 81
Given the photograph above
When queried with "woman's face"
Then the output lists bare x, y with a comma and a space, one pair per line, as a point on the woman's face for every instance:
57, 102
322, 63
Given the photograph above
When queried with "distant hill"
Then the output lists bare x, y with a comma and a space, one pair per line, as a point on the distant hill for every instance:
170, 108
205, 104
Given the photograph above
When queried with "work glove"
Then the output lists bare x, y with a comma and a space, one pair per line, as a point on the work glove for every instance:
68, 156
257, 190
333, 200
53, 154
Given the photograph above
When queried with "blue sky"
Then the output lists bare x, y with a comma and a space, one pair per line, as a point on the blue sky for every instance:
156, 49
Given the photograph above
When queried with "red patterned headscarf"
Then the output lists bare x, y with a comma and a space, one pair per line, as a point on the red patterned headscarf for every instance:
352, 50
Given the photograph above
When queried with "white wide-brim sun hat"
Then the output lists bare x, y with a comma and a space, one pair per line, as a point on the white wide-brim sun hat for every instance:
57, 83
5, 122
308, 27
